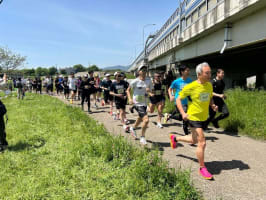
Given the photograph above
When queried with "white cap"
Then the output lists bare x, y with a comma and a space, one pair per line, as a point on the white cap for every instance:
141, 67
107, 74
116, 73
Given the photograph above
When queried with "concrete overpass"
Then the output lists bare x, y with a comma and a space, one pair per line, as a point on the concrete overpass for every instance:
230, 34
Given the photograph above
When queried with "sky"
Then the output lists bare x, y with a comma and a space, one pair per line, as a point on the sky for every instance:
63, 33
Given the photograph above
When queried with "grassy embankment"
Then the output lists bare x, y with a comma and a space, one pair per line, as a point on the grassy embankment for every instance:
57, 152
247, 113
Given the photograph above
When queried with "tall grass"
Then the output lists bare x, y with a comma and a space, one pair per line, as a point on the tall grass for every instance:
57, 152
247, 113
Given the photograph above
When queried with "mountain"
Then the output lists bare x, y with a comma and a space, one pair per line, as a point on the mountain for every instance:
123, 68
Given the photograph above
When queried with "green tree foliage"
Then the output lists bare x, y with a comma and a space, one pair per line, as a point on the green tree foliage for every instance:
63, 71
94, 68
79, 68
28, 72
52, 71
41, 71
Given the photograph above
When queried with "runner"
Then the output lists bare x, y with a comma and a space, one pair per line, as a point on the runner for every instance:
218, 98
21, 88
72, 84
86, 86
106, 86
118, 90
158, 99
78, 87
124, 78
92, 89
57, 85
177, 86
98, 89
200, 92
142, 87
65, 87
38, 85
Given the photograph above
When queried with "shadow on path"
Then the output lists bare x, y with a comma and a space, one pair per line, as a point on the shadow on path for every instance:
215, 167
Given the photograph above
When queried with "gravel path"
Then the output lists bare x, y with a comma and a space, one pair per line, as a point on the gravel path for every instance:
238, 163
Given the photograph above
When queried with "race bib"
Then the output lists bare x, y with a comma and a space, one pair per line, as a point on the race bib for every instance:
120, 91
140, 98
87, 87
204, 97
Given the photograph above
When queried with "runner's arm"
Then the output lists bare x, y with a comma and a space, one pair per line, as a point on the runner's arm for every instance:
129, 95
180, 108
170, 92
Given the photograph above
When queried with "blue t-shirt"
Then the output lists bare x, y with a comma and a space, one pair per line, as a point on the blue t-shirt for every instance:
178, 85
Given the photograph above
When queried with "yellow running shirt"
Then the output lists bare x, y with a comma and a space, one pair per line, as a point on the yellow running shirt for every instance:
201, 94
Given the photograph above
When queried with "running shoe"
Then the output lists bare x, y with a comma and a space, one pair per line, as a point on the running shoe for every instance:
102, 103
173, 141
133, 132
159, 125
165, 119
143, 140
215, 124
126, 121
126, 128
114, 117
89, 111
131, 109
205, 174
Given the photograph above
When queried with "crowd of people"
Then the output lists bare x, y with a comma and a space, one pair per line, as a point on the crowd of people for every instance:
196, 102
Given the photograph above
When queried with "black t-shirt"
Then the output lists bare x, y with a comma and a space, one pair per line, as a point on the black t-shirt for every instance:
86, 85
65, 84
218, 86
106, 84
119, 88
158, 90
92, 82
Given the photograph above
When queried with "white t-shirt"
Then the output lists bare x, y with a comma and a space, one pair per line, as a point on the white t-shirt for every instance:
140, 96
72, 83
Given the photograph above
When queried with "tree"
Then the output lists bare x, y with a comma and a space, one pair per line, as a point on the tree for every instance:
28, 72
9, 60
41, 71
63, 71
79, 68
52, 71
93, 68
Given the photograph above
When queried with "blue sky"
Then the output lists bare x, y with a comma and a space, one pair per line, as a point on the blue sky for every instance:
69, 32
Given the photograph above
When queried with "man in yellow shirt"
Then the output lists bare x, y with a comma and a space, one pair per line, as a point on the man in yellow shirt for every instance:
200, 92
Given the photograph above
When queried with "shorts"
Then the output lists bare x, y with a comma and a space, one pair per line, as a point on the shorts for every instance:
66, 91
197, 124
107, 97
142, 110
121, 104
74, 91
98, 89
156, 99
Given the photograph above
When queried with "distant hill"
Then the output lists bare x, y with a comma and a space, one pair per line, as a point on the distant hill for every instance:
123, 68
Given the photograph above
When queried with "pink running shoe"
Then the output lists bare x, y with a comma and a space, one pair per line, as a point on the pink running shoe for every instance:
204, 172
173, 141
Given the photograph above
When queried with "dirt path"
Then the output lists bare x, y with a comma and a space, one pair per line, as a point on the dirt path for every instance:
238, 163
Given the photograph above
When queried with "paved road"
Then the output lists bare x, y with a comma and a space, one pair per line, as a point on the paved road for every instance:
238, 163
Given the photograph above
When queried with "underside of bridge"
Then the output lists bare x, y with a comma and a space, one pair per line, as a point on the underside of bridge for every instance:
238, 63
